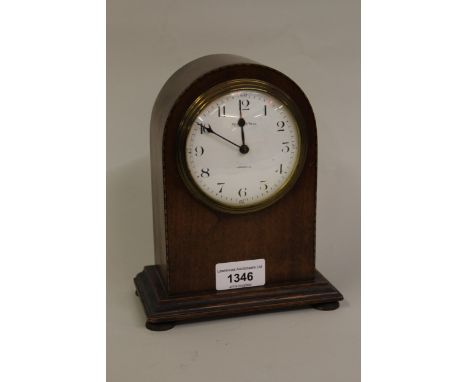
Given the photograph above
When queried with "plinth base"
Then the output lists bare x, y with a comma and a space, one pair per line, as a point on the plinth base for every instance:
164, 311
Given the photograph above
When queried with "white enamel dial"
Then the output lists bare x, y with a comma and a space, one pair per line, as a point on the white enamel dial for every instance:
243, 148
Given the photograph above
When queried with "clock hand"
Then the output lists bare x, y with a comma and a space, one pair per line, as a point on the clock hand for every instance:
210, 130
244, 149
241, 123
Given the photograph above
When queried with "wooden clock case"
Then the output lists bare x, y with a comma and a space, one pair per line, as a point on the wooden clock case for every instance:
191, 238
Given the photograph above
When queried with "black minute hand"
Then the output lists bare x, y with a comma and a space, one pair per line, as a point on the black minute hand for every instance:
210, 130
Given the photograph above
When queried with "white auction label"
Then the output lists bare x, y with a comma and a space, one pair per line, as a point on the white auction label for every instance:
240, 274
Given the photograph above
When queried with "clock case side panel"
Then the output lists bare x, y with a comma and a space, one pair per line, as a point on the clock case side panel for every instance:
199, 237
168, 95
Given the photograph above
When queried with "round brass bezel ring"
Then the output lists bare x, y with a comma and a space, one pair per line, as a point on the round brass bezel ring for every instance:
196, 108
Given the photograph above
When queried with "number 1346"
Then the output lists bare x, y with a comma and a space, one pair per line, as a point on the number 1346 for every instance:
236, 277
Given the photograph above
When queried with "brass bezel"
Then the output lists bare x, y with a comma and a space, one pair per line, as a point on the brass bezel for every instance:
199, 104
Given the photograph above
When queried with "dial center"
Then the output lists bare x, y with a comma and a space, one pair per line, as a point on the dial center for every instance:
244, 149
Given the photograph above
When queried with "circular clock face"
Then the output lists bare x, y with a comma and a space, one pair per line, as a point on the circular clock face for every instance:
243, 149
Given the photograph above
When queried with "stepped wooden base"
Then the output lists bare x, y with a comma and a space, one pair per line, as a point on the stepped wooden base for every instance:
164, 311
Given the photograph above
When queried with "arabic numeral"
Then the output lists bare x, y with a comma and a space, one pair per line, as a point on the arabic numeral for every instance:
281, 125
221, 111
221, 188
203, 128
199, 151
244, 104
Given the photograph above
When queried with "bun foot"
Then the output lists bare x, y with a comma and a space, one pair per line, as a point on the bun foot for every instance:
159, 327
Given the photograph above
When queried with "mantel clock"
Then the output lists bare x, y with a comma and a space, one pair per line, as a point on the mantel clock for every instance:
234, 178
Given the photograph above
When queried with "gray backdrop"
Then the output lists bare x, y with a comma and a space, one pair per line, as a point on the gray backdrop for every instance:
317, 44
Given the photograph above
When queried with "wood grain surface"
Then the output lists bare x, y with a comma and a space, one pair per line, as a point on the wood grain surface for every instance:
190, 238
